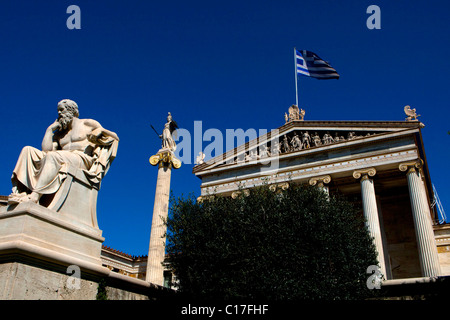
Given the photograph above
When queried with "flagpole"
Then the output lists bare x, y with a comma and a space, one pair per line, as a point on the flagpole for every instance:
295, 67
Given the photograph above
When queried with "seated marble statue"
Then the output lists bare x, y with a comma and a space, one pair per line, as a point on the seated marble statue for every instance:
68, 142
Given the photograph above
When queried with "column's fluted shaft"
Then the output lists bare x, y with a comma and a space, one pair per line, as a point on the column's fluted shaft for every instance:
371, 214
156, 251
428, 255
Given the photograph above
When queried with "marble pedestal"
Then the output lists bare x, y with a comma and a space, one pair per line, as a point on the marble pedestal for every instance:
50, 242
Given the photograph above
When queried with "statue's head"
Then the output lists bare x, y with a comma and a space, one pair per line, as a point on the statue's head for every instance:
70, 106
67, 110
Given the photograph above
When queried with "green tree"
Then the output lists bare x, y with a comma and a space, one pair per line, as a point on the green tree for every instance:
297, 244
101, 290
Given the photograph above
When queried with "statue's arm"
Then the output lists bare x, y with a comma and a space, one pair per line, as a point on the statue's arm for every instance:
110, 133
48, 143
102, 131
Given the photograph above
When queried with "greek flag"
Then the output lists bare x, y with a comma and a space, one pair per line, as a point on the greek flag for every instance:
311, 65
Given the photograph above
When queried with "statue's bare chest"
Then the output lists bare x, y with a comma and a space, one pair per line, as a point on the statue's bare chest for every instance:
77, 135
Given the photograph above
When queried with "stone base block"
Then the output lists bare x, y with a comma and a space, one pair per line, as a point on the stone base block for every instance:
47, 255
37, 247
20, 281
42, 233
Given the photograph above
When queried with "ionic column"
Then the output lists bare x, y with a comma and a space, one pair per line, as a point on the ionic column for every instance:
320, 182
428, 255
156, 251
370, 210
278, 187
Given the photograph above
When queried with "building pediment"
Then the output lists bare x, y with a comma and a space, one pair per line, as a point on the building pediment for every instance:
299, 138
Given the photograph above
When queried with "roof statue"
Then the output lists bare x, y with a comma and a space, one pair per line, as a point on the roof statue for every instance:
200, 158
411, 114
302, 114
294, 114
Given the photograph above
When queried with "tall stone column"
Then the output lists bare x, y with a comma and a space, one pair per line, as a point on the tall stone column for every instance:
370, 210
428, 255
156, 251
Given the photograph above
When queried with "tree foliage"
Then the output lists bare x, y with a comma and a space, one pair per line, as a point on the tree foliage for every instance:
297, 244
101, 290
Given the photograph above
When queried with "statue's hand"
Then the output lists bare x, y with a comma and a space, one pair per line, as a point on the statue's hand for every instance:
55, 126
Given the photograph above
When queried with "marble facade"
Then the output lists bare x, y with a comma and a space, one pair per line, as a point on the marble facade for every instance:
379, 164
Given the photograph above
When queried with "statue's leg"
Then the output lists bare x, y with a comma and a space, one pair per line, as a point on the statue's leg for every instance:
42, 172
23, 174
31, 174
48, 179
54, 166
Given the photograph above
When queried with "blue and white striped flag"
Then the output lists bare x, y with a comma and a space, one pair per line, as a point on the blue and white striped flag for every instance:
311, 65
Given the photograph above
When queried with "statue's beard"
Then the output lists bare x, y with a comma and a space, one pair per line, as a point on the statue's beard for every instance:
64, 120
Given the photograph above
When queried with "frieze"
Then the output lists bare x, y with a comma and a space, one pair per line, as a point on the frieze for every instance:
310, 172
295, 141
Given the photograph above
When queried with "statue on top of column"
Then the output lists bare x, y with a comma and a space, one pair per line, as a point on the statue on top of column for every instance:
168, 134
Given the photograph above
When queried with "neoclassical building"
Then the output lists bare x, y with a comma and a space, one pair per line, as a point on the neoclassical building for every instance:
381, 165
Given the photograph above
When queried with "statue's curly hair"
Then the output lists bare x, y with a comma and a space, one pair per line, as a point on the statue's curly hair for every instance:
71, 106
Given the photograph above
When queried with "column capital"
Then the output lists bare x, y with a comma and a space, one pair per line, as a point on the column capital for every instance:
283, 186
165, 156
364, 173
201, 199
320, 180
411, 166
237, 193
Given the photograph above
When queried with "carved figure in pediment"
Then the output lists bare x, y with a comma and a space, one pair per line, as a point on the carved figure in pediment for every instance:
337, 138
296, 143
253, 154
316, 140
285, 144
240, 158
306, 140
276, 148
264, 151
327, 138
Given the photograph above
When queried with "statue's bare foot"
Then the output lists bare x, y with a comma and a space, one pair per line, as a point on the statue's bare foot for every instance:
34, 197
15, 198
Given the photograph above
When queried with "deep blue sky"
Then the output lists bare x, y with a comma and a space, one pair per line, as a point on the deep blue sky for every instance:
226, 63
